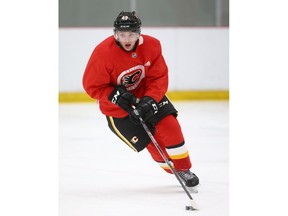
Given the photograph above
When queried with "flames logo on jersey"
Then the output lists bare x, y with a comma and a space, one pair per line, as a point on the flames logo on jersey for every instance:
132, 77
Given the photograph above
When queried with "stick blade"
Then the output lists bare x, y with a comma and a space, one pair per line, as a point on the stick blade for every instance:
193, 205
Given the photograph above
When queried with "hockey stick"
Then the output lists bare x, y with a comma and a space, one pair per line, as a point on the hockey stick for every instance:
194, 205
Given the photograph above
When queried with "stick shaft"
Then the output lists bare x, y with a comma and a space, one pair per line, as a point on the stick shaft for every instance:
162, 154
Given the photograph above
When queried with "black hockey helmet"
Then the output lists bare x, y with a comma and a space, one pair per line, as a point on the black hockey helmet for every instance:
127, 21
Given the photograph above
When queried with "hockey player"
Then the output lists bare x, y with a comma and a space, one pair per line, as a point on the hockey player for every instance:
126, 71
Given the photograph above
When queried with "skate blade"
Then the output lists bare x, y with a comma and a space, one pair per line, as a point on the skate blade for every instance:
193, 189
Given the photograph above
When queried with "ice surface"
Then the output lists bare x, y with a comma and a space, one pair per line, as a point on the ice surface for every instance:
100, 175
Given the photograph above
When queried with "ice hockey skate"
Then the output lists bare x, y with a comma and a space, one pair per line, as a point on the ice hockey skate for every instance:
190, 180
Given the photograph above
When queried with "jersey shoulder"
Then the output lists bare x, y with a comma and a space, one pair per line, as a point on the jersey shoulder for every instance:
150, 43
147, 39
106, 44
103, 49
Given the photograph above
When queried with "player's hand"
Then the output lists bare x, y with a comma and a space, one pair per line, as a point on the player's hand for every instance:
147, 108
123, 98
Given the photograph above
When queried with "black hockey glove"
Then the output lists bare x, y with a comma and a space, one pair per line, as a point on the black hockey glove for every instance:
147, 108
123, 98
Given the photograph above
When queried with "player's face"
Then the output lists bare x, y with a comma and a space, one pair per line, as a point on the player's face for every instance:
127, 39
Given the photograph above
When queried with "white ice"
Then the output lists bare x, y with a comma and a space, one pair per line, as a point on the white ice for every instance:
100, 175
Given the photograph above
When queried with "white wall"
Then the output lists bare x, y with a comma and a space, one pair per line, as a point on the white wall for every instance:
197, 58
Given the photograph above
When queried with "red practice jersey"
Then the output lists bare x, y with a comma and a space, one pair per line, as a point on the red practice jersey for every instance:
143, 72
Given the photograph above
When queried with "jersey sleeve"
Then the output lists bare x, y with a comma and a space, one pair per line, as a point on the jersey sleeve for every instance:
96, 78
157, 78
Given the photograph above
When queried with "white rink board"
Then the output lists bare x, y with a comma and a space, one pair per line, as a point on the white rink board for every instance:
197, 58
